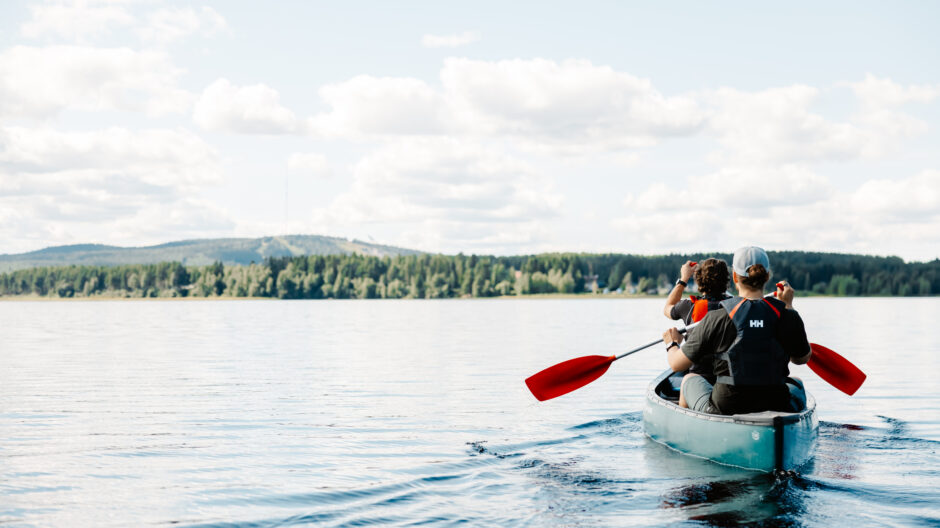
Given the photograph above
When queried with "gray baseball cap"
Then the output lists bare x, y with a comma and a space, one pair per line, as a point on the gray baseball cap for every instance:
747, 256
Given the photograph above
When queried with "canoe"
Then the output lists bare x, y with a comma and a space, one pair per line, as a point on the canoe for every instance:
764, 441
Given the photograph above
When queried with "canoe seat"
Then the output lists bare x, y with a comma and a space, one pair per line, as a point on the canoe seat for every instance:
669, 388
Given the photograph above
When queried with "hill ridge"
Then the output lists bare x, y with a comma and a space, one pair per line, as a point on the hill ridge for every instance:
198, 251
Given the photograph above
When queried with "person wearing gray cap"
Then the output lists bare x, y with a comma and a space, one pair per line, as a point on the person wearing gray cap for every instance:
752, 339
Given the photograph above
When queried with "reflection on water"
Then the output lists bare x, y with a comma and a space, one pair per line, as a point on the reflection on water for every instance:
756, 499
409, 412
710, 494
844, 450
838, 453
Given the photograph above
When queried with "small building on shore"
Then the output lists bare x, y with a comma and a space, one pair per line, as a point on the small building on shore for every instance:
590, 283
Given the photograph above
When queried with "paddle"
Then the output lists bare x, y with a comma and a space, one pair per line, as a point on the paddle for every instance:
575, 373
835, 369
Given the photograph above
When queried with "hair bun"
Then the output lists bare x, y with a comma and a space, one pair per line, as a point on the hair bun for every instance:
757, 276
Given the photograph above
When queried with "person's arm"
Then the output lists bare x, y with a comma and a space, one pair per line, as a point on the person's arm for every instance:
793, 332
698, 343
676, 359
685, 273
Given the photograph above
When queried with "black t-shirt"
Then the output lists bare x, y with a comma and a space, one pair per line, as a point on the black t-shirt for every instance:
715, 334
682, 310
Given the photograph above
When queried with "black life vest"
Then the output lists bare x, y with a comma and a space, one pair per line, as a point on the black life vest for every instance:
702, 305
756, 356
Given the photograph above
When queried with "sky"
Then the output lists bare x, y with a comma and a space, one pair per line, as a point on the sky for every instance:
477, 127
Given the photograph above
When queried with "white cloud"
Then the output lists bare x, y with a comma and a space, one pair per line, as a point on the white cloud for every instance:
899, 200
114, 184
365, 105
42, 222
710, 210
309, 163
105, 183
766, 188
765, 182
877, 217
737, 188
449, 41
447, 193
571, 101
874, 92
175, 23
81, 21
75, 21
185, 217
778, 125
254, 109
576, 107
152, 157
570, 106
40, 82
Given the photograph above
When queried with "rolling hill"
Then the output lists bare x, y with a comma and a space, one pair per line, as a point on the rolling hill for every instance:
197, 252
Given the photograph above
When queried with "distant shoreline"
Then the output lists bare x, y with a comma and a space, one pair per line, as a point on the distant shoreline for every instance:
541, 296
350, 276
37, 298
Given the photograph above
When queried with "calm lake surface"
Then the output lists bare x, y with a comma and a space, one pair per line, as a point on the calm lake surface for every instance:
402, 413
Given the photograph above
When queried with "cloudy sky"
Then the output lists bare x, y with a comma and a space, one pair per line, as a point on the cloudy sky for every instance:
481, 127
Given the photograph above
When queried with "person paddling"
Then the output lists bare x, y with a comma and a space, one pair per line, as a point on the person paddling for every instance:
752, 339
711, 276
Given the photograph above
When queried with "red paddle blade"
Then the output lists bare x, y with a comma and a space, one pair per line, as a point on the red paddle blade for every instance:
835, 369
567, 376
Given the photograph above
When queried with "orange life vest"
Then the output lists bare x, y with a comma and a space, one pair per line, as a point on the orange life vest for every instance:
701, 306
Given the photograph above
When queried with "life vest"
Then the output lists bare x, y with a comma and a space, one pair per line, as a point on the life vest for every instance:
756, 357
701, 306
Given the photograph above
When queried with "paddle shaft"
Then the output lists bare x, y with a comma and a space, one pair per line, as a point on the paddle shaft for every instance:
644, 347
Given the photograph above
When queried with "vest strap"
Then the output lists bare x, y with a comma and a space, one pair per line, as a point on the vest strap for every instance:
772, 307
735, 309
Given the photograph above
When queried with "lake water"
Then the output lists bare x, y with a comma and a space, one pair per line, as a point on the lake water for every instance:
404, 413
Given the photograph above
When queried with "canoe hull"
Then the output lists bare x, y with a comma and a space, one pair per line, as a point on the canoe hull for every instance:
764, 441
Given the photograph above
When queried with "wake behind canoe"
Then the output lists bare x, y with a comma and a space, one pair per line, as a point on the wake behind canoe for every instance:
764, 441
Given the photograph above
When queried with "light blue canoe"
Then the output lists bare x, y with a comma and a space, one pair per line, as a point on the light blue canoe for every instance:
764, 441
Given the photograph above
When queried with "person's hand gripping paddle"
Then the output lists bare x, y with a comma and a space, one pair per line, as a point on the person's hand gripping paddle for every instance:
831, 367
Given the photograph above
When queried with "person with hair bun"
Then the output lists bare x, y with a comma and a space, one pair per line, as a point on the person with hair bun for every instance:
712, 278
751, 339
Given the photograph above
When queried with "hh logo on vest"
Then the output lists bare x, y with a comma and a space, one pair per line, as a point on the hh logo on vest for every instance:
757, 323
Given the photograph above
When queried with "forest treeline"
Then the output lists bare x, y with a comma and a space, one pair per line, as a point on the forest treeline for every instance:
447, 276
